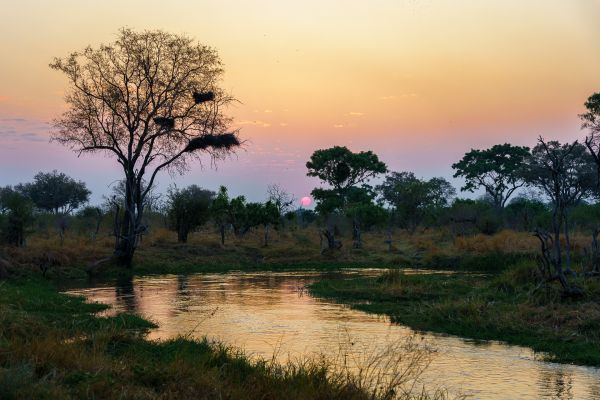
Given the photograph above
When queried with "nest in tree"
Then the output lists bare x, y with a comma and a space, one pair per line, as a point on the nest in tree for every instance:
203, 97
225, 141
165, 122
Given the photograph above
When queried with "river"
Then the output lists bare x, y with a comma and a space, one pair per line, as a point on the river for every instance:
270, 314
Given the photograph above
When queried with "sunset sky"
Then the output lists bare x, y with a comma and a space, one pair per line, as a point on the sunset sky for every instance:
419, 82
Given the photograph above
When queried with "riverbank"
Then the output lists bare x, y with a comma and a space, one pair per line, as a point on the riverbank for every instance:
510, 307
159, 253
56, 346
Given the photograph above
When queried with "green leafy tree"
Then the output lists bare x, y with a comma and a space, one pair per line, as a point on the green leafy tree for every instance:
498, 170
526, 213
55, 192
263, 214
220, 211
188, 209
414, 199
152, 101
16, 210
343, 171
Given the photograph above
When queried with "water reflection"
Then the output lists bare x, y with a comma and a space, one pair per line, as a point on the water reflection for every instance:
270, 312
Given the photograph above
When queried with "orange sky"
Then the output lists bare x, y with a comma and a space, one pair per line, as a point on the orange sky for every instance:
418, 82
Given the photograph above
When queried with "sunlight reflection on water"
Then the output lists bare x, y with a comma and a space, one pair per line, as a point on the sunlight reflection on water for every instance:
270, 313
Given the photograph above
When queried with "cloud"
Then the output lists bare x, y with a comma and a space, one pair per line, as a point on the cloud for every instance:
255, 122
283, 124
338, 126
393, 96
17, 129
356, 114
268, 111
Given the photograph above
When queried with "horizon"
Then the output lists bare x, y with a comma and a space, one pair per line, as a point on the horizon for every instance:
417, 82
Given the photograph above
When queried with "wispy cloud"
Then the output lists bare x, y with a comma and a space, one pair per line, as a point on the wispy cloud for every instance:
356, 114
263, 124
393, 96
283, 124
17, 129
338, 126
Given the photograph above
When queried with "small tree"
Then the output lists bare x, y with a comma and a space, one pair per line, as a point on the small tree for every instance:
152, 101
566, 174
220, 211
188, 209
498, 170
414, 199
343, 170
280, 198
17, 210
55, 192
265, 214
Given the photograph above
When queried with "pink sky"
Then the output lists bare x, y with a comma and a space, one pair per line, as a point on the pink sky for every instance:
418, 82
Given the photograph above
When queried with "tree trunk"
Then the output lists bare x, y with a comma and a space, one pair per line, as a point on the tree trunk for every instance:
182, 234
222, 228
356, 237
127, 242
567, 246
266, 235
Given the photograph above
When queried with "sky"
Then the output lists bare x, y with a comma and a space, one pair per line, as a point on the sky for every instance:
419, 82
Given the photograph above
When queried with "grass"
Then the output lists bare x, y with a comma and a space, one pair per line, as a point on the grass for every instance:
159, 252
510, 306
54, 346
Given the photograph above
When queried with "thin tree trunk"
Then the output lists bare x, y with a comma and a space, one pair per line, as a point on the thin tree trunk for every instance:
567, 245
266, 235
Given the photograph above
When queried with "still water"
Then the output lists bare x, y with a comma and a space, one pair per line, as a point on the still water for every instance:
270, 314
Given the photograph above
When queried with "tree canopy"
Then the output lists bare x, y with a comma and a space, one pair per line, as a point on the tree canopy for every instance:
341, 169
188, 209
412, 198
55, 192
497, 170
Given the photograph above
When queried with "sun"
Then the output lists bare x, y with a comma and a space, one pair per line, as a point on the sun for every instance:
305, 201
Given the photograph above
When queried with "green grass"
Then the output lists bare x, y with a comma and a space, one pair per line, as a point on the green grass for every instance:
54, 346
510, 307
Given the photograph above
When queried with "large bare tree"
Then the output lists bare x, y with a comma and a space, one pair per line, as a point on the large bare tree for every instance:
152, 101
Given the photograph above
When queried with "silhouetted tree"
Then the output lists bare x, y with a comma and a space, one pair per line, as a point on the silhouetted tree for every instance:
151, 100
188, 209
414, 199
280, 198
497, 170
55, 192
265, 214
343, 170
220, 211
566, 174
591, 121
17, 212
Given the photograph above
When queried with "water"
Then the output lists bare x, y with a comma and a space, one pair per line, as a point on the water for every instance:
270, 314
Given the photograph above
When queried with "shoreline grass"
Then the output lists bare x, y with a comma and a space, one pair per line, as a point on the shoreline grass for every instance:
55, 346
508, 307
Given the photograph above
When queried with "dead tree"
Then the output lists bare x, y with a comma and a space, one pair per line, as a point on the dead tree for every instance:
550, 265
